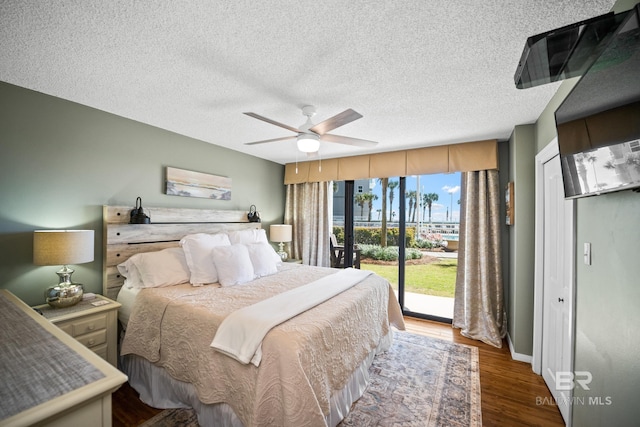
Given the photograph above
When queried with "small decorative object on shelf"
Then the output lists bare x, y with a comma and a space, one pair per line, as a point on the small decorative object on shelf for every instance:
55, 247
281, 233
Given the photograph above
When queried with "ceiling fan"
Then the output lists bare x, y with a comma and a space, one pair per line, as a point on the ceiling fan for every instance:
308, 136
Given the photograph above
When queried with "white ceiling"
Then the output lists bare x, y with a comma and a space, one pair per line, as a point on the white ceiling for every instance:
420, 72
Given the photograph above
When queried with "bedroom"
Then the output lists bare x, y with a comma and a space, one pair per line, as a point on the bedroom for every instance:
61, 161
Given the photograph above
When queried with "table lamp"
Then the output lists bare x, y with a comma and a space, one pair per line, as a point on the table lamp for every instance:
280, 233
63, 247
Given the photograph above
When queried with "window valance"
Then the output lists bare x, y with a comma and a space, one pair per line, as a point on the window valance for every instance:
465, 157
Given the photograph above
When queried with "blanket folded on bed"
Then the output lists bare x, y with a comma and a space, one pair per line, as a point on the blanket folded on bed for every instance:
241, 333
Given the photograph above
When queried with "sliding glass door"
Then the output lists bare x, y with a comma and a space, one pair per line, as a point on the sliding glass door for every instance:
405, 229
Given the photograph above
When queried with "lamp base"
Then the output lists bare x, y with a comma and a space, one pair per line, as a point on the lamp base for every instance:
60, 296
282, 253
65, 293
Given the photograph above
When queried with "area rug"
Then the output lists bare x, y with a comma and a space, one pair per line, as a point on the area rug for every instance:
420, 381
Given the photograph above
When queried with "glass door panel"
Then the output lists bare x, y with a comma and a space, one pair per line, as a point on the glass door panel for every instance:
432, 230
406, 229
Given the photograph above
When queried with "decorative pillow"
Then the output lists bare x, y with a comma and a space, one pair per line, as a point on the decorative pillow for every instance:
261, 255
156, 269
197, 249
233, 264
246, 237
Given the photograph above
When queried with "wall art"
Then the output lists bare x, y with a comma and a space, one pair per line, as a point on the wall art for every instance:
181, 182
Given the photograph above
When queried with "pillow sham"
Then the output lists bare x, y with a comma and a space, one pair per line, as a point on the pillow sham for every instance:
233, 264
156, 269
197, 249
131, 275
261, 255
245, 237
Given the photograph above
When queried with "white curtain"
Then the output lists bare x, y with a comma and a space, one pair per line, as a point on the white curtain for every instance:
479, 306
309, 209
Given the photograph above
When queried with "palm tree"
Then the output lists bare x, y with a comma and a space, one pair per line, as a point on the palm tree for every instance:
412, 195
392, 186
427, 201
369, 198
360, 201
383, 225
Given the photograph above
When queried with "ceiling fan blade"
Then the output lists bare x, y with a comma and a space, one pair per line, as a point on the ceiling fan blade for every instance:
348, 140
273, 122
286, 138
347, 116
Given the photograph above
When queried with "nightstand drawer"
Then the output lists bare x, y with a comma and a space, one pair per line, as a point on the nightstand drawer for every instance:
101, 350
84, 325
93, 339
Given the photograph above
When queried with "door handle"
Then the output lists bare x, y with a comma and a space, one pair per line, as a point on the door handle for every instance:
560, 299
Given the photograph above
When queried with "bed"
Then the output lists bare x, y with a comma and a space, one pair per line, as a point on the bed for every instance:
306, 370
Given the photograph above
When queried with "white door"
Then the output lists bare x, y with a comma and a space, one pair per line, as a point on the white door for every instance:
557, 288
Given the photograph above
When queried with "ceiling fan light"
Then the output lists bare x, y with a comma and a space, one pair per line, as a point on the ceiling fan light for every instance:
308, 143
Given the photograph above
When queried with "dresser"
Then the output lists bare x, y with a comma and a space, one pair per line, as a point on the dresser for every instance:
48, 377
93, 323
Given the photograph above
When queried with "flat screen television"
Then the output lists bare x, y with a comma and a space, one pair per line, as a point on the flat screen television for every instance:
598, 123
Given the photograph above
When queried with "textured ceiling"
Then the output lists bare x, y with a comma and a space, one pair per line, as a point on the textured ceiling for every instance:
420, 72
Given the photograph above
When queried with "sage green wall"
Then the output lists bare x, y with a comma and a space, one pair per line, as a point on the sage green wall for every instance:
607, 296
60, 162
607, 314
521, 236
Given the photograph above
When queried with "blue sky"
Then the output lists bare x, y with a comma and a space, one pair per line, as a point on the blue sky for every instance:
446, 186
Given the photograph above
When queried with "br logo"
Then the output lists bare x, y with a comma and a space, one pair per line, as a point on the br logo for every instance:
569, 380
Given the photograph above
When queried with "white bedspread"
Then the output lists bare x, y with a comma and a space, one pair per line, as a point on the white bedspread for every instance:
305, 359
241, 333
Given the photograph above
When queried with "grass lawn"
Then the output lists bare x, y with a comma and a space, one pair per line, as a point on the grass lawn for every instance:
437, 278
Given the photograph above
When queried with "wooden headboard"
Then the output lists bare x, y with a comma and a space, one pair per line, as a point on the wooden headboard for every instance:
121, 240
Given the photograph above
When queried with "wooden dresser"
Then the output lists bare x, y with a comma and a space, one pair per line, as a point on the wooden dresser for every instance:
49, 378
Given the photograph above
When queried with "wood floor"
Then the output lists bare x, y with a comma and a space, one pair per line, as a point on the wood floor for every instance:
510, 389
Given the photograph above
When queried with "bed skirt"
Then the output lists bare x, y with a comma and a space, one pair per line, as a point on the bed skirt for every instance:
159, 390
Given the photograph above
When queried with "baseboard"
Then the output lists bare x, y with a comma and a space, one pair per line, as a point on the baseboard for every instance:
518, 356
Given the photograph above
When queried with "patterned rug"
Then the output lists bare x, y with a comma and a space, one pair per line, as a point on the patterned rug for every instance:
420, 381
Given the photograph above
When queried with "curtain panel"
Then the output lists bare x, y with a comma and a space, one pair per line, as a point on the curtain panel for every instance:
309, 209
479, 306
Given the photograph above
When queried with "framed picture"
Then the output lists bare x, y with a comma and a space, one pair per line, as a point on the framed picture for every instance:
508, 198
186, 183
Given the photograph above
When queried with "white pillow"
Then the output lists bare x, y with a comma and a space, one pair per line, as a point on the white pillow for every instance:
233, 264
246, 237
197, 249
261, 255
156, 269
129, 271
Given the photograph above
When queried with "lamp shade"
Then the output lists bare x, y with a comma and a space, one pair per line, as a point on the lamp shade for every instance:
62, 247
280, 233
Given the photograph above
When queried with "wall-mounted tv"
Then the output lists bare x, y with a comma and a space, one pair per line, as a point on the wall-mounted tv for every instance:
599, 122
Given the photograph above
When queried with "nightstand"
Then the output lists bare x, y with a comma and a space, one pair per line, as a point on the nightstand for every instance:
93, 322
